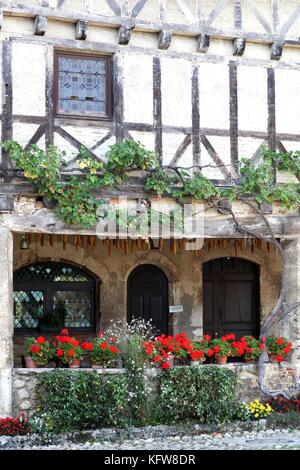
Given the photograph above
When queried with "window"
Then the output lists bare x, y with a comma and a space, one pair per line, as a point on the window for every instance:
83, 85
53, 294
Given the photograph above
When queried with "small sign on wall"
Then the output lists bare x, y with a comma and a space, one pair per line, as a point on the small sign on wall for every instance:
176, 308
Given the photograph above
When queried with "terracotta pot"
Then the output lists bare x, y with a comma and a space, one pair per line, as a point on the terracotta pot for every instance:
221, 359
30, 363
75, 364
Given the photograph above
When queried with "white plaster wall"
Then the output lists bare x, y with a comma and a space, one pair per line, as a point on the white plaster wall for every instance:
171, 143
214, 95
28, 73
288, 101
252, 98
138, 88
248, 146
22, 132
176, 75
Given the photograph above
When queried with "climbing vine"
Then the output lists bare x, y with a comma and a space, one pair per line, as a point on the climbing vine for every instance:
76, 195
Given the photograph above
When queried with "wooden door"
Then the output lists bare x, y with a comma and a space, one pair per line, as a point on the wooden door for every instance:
230, 297
147, 296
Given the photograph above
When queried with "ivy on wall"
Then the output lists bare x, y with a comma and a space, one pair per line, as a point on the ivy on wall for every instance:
76, 196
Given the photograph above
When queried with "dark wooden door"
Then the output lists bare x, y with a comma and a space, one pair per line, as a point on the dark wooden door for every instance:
230, 297
148, 296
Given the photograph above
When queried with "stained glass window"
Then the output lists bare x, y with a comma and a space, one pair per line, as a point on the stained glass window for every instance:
53, 294
83, 85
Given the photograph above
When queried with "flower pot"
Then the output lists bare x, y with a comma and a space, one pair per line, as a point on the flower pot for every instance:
75, 364
97, 366
221, 359
249, 361
170, 360
30, 363
197, 362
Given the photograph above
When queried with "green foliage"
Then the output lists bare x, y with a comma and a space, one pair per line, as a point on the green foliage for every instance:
130, 155
206, 394
82, 400
77, 204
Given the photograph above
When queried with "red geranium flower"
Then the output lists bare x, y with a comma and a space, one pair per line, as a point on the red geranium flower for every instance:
64, 331
206, 337
41, 339
210, 352
157, 358
279, 358
165, 365
280, 341
75, 343
216, 349
261, 347
71, 352
35, 349
114, 349
263, 340
103, 345
60, 352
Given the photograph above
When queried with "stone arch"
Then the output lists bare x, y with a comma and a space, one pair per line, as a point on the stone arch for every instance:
95, 268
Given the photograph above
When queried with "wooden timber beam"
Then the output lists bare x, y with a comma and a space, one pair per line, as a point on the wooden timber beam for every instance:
73, 16
215, 226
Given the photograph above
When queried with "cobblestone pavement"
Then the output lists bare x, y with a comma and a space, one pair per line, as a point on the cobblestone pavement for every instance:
261, 440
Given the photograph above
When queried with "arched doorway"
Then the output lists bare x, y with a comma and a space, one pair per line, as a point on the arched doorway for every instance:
230, 297
53, 294
147, 296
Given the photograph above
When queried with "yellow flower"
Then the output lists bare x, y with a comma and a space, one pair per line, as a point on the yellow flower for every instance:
82, 165
93, 171
27, 174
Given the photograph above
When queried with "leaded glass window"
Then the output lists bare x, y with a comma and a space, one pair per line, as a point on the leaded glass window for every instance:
53, 294
83, 85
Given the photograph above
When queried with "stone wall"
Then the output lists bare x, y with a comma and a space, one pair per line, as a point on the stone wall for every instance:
277, 377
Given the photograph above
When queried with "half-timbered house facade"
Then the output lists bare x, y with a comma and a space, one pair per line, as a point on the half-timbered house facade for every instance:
202, 83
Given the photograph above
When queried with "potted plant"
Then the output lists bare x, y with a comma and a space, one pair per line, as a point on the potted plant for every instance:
164, 350
67, 349
183, 347
249, 348
252, 348
222, 348
277, 348
38, 352
200, 350
103, 351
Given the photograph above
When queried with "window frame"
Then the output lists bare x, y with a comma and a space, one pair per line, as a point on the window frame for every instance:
108, 85
50, 287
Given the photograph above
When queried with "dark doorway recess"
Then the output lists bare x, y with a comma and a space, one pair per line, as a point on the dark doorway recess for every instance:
231, 297
147, 296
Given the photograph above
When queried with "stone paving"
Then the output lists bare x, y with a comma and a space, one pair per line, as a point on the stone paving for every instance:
254, 440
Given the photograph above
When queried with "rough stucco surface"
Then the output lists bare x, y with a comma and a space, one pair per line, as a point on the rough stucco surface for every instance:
184, 272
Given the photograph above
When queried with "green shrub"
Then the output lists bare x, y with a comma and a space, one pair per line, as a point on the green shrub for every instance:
206, 394
69, 400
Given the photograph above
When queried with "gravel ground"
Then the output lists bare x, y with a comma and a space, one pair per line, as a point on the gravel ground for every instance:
238, 440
